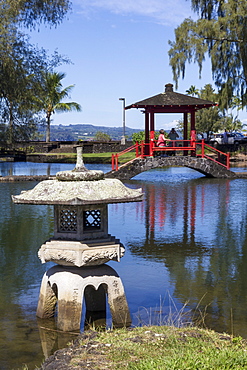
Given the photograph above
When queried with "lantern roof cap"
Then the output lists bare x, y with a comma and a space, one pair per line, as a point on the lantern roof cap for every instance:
79, 193
79, 187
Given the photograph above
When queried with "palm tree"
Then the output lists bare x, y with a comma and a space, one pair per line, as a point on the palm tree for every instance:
192, 91
54, 93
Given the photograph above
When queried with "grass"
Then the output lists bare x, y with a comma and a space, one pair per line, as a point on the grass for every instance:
104, 158
162, 348
154, 347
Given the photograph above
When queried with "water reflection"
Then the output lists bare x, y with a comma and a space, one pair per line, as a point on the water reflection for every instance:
50, 339
197, 230
32, 169
185, 243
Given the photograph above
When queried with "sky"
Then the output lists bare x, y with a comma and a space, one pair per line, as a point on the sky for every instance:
118, 49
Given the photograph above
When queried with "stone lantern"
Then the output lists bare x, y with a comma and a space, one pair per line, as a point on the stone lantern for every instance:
81, 245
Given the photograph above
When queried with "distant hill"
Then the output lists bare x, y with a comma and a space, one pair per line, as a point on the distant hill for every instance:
85, 131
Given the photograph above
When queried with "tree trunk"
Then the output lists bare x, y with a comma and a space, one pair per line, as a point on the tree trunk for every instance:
48, 128
11, 124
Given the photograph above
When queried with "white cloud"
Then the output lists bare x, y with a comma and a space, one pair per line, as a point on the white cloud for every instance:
167, 125
164, 11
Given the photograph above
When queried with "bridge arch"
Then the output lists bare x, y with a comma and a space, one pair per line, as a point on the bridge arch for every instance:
205, 166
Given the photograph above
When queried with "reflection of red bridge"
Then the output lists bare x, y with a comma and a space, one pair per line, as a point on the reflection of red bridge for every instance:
190, 153
165, 206
182, 209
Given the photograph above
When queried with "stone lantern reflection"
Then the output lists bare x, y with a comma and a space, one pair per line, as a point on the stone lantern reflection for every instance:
81, 246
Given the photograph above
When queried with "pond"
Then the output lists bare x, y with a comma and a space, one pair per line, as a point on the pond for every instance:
185, 259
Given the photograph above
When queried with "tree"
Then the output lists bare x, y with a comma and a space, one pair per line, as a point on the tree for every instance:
21, 64
215, 118
210, 119
220, 33
30, 13
21, 71
192, 91
53, 93
102, 136
138, 137
232, 123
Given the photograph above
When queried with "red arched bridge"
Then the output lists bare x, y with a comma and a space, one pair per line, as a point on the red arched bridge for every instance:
189, 153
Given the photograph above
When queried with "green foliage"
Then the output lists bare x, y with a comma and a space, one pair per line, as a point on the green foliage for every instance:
19, 71
102, 136
164, 347
22, 64
30, 13
216, 118
140, 136
211, 119
3, 129
193, 91
232, 123
51, 95
220, 33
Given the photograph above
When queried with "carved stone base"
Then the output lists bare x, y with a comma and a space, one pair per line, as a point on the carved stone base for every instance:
66, 287
76, 253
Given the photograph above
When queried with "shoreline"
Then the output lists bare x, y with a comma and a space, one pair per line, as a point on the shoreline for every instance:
151, 347
239, 161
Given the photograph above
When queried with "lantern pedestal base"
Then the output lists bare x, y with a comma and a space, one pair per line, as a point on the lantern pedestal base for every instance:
81, 253
67, 286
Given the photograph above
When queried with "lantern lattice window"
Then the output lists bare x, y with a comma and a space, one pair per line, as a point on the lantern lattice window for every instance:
92, 219
68, 220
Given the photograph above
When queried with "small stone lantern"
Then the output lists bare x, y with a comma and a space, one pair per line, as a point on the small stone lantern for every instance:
81, 245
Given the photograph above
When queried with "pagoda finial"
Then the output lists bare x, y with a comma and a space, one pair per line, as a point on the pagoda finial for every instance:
80, 172
79, 167
169, 87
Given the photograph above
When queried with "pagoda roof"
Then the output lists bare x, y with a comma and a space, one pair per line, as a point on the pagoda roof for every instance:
170, 100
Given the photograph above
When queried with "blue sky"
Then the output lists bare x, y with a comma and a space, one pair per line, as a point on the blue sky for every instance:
118, 49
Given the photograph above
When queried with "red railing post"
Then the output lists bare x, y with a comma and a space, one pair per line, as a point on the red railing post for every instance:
116, 158
219, 159
152, 135
228, 161
137, 149
142, 149
203, 148
112, 162
193, 152
151, 145
193, 142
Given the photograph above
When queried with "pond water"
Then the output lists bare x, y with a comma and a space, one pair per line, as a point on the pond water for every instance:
185, 260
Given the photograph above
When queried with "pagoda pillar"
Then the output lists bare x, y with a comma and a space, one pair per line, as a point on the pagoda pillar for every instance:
146, 148
185, 126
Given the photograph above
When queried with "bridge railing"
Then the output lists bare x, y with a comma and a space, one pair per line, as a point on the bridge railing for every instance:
115, 157
218, 156
197, 149
173, 145
141, 150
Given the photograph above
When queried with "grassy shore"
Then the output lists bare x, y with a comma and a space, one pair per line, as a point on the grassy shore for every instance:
104, 158
152, 348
